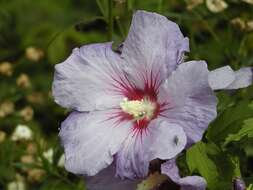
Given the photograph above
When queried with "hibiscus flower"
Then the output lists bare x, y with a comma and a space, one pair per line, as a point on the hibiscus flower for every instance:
133, 105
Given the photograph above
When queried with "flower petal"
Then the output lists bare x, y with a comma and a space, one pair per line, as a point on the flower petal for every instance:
221, 78
170, 169
243, 78
226, 78
84, 82
106, 180
191, 102
90, 140
153, 44
161, 140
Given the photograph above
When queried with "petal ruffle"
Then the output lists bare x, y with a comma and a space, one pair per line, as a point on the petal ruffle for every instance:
170, 169
226, 78
90, 140
160, 140
87, 80
243, 78
221, 78
191, 103
153, 44
106, 180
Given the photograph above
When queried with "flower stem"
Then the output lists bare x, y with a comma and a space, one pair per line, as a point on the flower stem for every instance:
110, 19
160, 6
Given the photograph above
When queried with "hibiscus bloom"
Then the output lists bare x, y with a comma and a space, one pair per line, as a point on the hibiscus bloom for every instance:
134, 105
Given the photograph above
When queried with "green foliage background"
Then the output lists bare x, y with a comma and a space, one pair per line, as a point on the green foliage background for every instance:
56, 27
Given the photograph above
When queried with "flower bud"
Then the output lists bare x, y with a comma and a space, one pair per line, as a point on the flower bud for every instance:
238, 184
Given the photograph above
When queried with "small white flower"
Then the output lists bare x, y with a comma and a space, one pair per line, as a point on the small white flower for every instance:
16, 185
216, 5
34, 54
61, 161
22, 132
23, 81
48, 155
6, 108
6, 69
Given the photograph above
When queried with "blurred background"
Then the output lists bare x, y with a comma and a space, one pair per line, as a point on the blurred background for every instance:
36, 35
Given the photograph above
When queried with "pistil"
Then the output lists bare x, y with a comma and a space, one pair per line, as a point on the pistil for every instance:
139, 109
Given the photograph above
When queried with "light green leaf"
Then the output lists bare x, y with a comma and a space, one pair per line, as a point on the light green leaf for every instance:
198, 160
250, 187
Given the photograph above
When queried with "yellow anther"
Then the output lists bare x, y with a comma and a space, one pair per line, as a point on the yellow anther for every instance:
139, 109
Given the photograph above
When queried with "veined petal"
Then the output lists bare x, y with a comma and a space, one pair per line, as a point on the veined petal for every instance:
106, 180
87, 80
161, 140
170, 169
90, 140
227, 79
190, 101
153, 44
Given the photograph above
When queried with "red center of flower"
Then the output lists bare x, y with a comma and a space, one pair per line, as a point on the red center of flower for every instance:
139, 105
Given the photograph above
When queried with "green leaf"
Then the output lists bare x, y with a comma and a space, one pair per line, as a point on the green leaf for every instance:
229, 121
250, 187
198, 160
58, 49
245, 132
215, 165
103, 7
